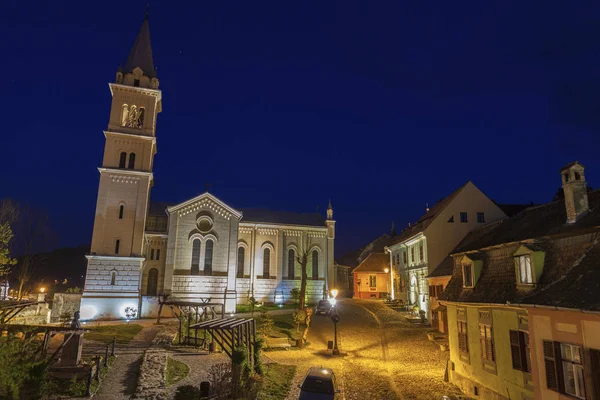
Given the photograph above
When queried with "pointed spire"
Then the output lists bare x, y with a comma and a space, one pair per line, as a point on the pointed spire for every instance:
329, 210
141, 52
393, 231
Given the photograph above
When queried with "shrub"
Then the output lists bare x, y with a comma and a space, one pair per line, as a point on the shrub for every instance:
295, 293
265, 323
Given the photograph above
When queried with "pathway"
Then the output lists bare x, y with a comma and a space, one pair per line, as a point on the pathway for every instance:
121, 380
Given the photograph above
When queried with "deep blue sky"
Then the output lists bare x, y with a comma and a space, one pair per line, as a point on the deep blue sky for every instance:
380, 105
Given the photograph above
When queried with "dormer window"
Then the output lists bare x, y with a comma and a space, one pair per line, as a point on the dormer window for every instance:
467, 275
525, 272
136, 82
472, 265
529, 264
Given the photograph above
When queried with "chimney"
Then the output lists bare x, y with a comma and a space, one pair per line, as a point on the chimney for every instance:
574, 187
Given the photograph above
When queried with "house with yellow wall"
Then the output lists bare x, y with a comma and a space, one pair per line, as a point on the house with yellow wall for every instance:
508, 339
420, 248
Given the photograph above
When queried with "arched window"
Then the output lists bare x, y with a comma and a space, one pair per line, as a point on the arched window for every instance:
266, 263
315, 265
152, 254
140, 120
157, 254
124, 115
113, 278
122, 159
240, 262
131, 161
208, 255
196, 257
291, 263
121, 209
152, 287
117, 245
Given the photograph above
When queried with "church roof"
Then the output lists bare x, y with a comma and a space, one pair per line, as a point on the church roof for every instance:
141, 52
256, 215
281, 217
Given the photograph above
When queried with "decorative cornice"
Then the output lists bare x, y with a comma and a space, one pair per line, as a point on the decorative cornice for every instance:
114, 258
129, 172
205, 200
290, 232
316, 234
302, 228
267, 232
245, 229
135, 89
124, 179
132, 135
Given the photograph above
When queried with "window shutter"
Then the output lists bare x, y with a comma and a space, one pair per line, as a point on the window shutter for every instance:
595, 369
431, 292
440, 289
515, 350
550, 364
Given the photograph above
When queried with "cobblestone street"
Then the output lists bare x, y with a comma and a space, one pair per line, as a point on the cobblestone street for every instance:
383, 356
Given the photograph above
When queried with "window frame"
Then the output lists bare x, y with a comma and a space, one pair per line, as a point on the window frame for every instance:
117, 246
486, 341
462, 329
577, 366
315, 265
266, 263
123, 159
113, 278
466, 217
470, 267
528, 264
372, 280
520, 350
291, 264
208, 257
239, 273
121, 211
480, 217
195, 257
131, 161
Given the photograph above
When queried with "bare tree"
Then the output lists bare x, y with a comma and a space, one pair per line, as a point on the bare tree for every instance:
302, 258
8, 214
32, 234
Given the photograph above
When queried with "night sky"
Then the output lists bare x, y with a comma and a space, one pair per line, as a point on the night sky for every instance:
381, 106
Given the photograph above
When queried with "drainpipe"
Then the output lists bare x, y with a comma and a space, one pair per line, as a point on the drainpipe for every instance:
392, 292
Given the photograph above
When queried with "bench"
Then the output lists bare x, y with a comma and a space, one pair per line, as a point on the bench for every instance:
278, 343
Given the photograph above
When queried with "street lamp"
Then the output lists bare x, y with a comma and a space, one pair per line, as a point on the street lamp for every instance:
335, 318
42, 289
387, 282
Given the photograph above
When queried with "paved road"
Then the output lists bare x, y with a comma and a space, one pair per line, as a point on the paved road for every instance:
383, 356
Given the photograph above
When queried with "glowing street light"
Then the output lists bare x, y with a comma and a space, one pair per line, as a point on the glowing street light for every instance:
42, 289
334, 293
386, 270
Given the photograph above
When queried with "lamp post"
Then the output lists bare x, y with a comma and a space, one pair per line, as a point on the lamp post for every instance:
335, 318
387, 282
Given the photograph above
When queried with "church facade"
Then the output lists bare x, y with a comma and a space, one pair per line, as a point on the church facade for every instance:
201, 249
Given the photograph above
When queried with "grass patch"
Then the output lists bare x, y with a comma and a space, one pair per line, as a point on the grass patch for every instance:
245, 308
277, 381
176, 371
105, 333
284, 326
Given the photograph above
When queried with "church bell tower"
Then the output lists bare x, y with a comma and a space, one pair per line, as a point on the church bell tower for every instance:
116, 258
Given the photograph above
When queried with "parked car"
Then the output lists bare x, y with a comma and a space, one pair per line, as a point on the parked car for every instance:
319, 384
323, 307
